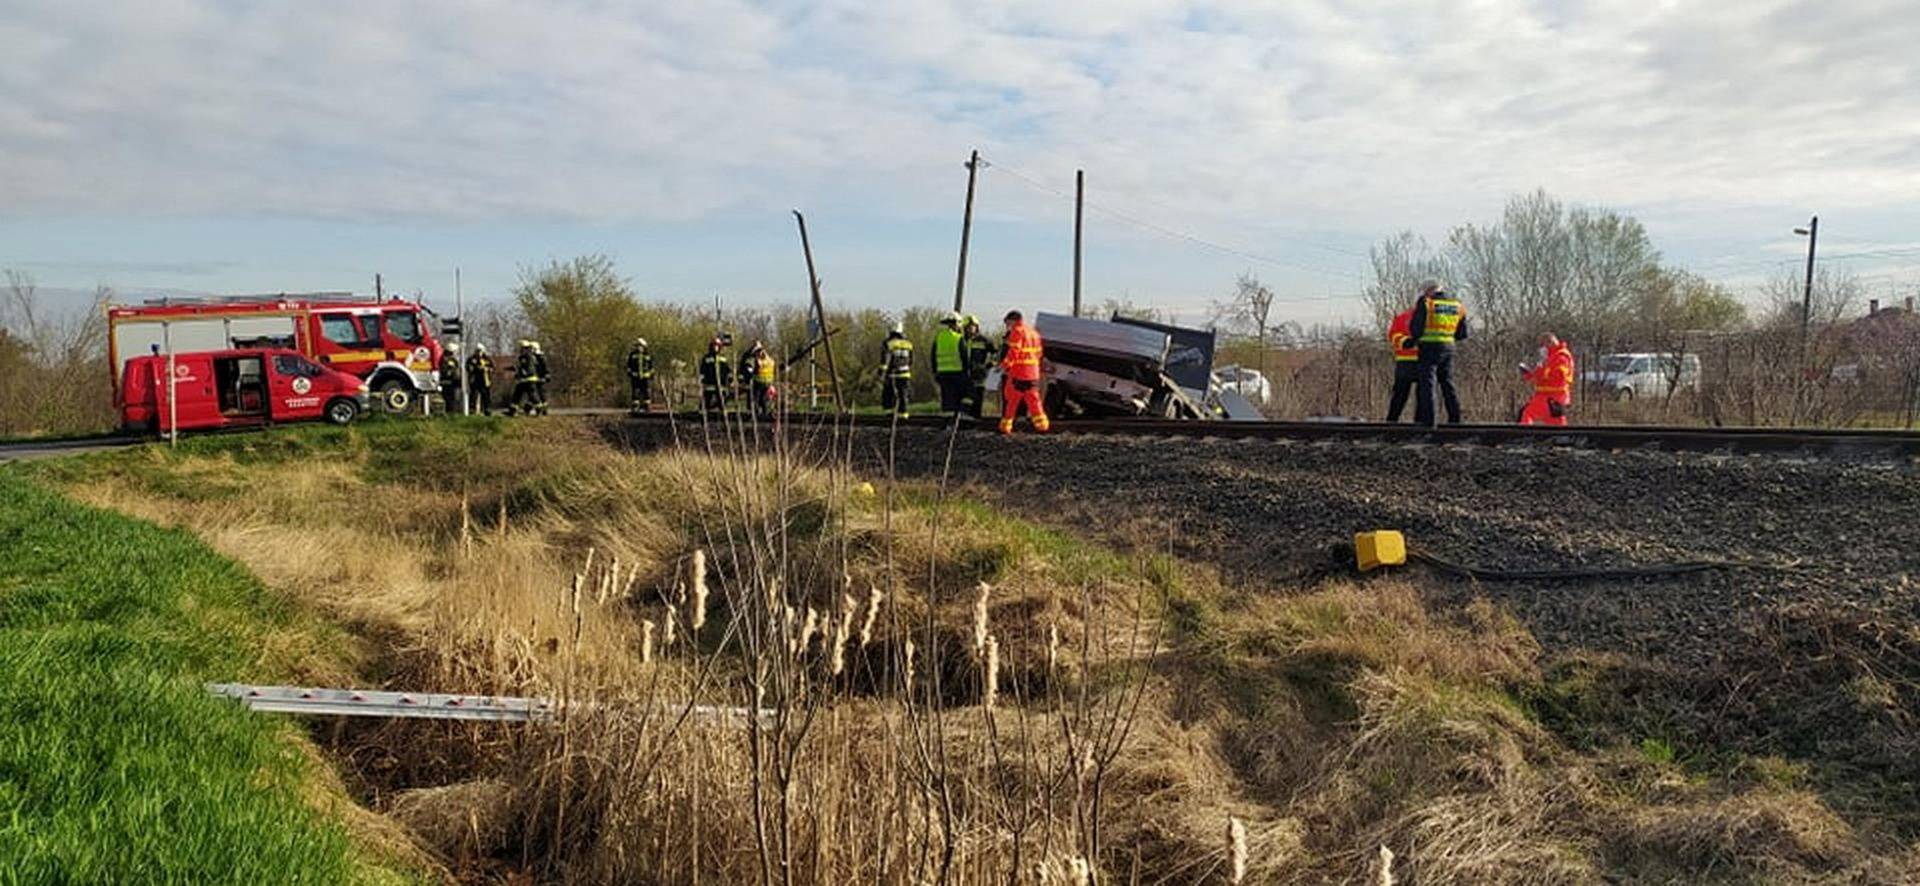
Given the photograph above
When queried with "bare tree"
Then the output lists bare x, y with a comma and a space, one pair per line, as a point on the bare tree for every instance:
1400, 263
1248, 309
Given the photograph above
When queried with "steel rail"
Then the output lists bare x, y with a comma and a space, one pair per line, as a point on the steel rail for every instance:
1825, 441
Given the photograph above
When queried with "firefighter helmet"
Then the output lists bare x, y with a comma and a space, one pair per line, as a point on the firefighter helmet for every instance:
952, 318
899, 329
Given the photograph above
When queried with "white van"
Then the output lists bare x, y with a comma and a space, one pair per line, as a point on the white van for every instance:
1626, 376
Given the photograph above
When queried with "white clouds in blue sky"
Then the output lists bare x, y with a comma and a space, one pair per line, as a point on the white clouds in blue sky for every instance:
1299, 130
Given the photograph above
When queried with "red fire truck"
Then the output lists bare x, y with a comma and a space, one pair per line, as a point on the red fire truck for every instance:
389, 344
233, 388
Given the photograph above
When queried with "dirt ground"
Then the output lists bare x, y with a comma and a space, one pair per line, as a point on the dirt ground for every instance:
1819, 660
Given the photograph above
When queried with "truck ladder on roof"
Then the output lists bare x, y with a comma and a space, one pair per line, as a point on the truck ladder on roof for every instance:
167, 301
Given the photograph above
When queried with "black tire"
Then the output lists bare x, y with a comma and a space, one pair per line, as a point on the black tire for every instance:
394, 397
342, 411
1623, 395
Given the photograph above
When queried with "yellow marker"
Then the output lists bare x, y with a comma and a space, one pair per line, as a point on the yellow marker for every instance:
865, 489
1382, 547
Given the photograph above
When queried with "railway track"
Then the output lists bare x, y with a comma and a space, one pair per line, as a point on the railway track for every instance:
1820, 442
1813, 442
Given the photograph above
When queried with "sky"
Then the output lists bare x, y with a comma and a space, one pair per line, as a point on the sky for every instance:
232, 146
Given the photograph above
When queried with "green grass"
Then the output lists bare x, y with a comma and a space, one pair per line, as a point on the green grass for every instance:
115, 764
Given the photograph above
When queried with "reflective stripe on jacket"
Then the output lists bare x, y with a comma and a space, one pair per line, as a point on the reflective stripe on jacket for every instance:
1555, 376
899, 358
1443, 318
1400, 337
1022, 358
948, 356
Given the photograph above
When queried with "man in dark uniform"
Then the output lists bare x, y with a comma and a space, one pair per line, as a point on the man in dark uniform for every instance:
1439, 321
480, 380
450, 378
980, 355
640, 376
716, 376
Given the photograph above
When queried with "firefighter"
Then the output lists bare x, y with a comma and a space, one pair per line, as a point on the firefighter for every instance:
529, 379
1406, 362
640, 377
540, 378
897, 371
450, 378
1439, 321
480, 380
979, 351
759, 368
1552, 381
1020, 361
716, 376
950, 364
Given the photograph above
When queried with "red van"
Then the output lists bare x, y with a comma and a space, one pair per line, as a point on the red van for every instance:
235, 388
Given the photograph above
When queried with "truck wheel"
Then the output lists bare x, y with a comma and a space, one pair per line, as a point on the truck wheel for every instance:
342, 411
394, 396
1624, 395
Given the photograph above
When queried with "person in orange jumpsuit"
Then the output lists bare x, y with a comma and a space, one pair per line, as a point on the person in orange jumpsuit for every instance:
1552, 384
1406, 362
1020, 363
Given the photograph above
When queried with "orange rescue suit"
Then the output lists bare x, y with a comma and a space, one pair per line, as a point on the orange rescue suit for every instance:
1021, 364
1552, 388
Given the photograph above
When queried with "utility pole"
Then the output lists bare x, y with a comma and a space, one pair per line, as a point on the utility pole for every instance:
1812, 233
1079, 204
460, 311
820, 311
379, 292
966, 231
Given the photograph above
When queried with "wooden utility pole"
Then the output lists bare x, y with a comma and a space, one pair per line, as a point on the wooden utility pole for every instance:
379, 291
966, 231
820, 311
1812, 233
1079, 204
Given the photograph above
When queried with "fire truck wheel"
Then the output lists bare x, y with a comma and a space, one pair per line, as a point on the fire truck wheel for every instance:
394, 396
342, 411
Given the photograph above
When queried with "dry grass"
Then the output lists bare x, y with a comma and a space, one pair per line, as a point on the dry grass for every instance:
977, 700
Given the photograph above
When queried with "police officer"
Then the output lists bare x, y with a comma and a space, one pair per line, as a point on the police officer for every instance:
480, 380
1439, 320
450, 377
950, 364
979, 353
897, 371
716, 376
640, 376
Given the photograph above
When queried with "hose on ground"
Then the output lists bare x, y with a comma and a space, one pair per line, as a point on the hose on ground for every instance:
1657, 570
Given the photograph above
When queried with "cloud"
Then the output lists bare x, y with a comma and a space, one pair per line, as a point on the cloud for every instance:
1253, 117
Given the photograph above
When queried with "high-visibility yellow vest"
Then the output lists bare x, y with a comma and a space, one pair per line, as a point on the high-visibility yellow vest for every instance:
947, 353
1443, 320
763, 369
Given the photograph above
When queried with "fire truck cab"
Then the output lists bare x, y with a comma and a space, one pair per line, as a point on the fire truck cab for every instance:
234, 388
389, 344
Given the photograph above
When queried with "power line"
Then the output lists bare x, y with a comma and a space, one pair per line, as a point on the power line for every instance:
1170, 232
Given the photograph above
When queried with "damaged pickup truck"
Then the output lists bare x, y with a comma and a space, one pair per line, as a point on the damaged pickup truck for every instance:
1134, 368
